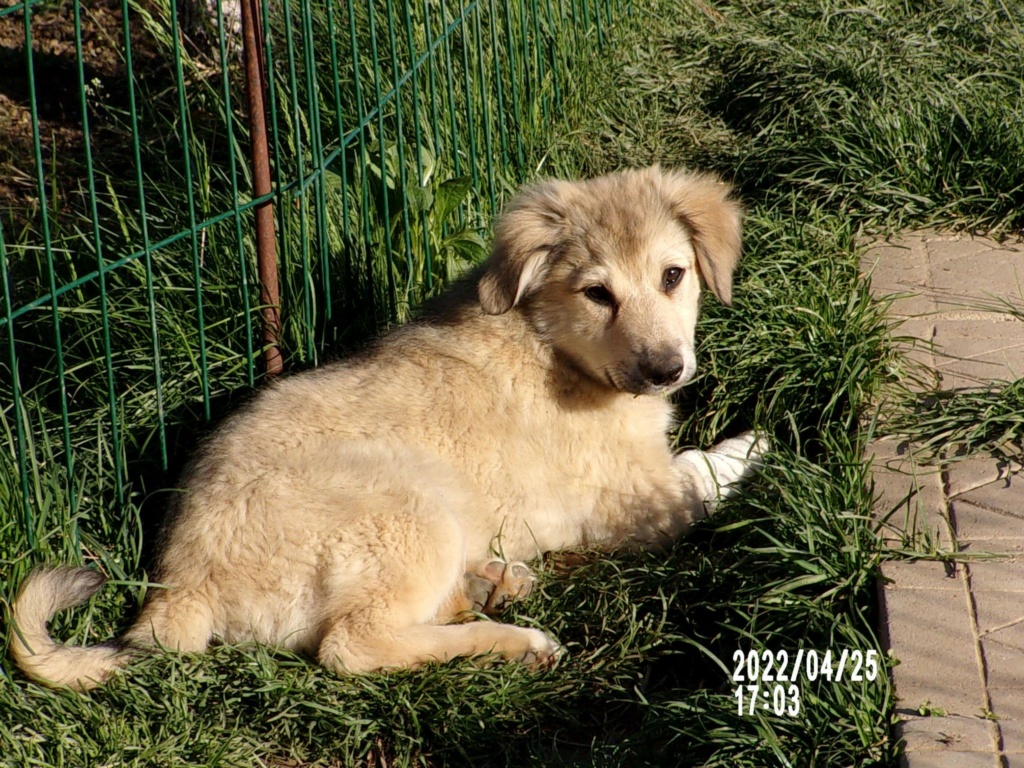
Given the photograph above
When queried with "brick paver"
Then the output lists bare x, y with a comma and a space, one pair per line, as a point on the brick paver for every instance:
956, 626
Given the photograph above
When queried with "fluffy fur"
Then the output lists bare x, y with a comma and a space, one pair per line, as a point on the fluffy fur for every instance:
354, 512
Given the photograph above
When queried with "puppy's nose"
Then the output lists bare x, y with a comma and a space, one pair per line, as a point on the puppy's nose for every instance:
662, 370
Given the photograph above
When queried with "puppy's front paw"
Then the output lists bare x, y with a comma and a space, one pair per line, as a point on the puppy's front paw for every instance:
542, 652
748, 446
725, 465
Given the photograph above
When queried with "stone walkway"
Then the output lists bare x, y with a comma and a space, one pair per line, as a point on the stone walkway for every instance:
956, 626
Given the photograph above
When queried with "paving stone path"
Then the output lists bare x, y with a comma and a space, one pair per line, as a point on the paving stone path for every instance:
957, 627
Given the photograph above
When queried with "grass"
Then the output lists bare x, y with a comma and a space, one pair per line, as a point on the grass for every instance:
894, 112
950, 425
833, 120
946, 425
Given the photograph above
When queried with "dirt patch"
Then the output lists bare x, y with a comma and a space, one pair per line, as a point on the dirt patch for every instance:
55, 70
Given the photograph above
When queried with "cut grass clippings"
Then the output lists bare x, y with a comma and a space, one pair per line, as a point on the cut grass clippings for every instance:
832, 119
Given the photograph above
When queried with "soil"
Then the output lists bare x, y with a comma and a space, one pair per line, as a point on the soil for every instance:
55, 72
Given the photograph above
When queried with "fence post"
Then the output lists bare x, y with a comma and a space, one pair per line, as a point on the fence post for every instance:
266, 250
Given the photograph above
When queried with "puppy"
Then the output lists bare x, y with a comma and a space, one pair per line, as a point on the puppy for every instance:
354, 512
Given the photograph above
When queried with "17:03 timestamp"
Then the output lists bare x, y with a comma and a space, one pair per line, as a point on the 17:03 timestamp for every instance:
777, 698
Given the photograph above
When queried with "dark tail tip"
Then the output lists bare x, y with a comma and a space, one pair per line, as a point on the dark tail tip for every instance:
76, 584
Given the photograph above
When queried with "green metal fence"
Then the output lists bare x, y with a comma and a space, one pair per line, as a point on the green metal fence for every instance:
131, 297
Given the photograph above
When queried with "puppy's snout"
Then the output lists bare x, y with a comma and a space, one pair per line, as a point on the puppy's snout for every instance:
662, 369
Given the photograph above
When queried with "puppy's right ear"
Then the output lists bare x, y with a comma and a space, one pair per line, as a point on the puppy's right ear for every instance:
703, 205
530, 231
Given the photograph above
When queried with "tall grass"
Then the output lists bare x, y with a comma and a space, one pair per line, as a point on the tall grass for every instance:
895, 112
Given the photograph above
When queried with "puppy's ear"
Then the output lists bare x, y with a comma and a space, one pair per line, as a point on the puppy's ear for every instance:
702, 204
530, 230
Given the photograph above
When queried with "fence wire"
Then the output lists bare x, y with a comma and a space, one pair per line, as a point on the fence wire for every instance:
131, 301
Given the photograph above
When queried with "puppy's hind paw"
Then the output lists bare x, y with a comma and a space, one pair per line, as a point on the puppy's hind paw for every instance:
478, 591
512, 581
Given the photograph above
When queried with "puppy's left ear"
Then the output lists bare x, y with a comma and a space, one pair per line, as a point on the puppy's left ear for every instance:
702, 203
530, 231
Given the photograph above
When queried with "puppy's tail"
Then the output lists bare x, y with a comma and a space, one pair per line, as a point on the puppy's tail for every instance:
44, 592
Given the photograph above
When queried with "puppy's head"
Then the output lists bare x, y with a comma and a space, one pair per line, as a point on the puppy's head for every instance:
609, 270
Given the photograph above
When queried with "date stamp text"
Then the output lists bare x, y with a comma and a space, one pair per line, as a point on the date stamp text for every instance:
770, 680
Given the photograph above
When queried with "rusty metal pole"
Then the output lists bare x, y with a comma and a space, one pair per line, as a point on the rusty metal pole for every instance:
266, 248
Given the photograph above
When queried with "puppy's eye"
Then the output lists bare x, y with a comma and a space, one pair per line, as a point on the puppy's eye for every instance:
600, 295
671, 277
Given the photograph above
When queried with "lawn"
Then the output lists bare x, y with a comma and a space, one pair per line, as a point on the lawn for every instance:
834, 120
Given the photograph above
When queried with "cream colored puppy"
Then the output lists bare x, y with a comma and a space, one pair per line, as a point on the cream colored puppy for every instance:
354, 512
